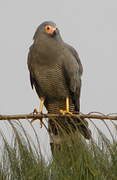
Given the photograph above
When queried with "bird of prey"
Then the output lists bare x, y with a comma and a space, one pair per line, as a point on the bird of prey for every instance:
55, 72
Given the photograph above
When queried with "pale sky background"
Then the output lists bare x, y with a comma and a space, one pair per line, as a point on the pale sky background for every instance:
90, 26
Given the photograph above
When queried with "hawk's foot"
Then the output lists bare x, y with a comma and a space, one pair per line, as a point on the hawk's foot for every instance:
40, 111
37, 112
65, 112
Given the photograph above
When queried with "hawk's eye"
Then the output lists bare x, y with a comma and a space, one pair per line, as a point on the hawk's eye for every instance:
48, 28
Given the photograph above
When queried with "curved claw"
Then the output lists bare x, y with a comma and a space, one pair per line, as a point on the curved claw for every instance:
39, 112
65, 112
36, 112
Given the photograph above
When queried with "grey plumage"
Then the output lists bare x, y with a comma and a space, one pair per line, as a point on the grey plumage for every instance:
55, 72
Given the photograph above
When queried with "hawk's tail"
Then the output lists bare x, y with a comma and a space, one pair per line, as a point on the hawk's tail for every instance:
60, 125
83, 128
66, 124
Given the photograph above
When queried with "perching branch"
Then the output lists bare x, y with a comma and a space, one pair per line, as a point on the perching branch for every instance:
40, 116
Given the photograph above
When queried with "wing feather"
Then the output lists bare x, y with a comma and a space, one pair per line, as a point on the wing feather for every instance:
33, 80
73, 71
29, 67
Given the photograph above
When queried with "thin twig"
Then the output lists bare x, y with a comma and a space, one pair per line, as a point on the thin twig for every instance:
38, 116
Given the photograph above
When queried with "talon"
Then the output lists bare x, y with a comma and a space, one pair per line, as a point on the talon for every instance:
62, 111
39, 112
65, 112
33, 120
35, 111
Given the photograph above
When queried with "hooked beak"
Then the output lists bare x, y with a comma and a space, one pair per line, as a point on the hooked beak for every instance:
53, 30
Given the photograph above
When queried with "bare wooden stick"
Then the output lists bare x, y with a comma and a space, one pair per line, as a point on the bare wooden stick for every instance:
40, 116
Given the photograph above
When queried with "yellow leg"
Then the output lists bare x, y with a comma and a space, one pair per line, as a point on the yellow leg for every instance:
41, 105
67, 111
40, 110
67, 105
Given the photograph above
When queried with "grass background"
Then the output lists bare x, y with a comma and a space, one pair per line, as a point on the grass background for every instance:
76, 159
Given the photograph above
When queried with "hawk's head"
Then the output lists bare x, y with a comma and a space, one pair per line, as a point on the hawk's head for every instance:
48, 29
